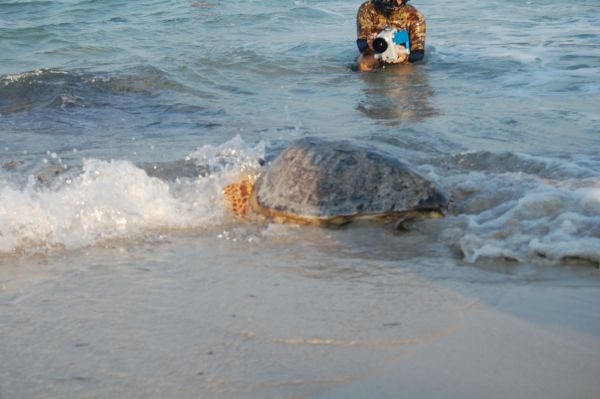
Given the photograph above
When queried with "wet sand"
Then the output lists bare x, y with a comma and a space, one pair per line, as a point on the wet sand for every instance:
212, 318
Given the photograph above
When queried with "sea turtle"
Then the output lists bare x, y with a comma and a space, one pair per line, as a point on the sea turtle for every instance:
328, 183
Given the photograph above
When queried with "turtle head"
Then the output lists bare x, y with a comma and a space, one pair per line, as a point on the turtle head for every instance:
238, 196
435, 204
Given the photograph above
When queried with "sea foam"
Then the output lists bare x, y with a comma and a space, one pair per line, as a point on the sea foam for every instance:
108, 200
551, 213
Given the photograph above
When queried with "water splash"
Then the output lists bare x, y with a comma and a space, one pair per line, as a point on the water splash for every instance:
108, 200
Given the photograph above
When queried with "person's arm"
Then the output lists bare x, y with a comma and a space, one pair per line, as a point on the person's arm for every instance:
418, 31
364, 27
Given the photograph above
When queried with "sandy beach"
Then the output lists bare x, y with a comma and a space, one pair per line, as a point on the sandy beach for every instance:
213, 318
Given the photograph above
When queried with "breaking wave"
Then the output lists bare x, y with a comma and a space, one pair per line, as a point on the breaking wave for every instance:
505, 206
524, 208
62, 206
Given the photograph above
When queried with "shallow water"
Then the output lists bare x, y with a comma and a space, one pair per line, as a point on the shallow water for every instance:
502, 114
121, 122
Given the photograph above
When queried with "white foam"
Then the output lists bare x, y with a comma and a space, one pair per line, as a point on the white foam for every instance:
114, 200
232, 158
18, 77
525, 218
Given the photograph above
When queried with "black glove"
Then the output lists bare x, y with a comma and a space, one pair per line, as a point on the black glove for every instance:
362, 45
416, 55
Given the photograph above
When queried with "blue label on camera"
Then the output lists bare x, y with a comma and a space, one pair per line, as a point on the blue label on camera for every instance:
401, 38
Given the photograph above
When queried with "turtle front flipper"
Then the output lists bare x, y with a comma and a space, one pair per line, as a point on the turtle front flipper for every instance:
238, 196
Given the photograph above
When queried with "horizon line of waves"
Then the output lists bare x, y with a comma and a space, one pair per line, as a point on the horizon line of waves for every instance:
60, 88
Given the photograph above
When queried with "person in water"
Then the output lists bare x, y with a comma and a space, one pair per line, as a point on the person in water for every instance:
376, 15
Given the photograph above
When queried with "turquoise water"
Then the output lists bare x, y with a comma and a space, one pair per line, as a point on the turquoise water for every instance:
122, 121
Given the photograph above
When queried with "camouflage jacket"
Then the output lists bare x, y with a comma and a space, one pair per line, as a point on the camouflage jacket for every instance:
370, 20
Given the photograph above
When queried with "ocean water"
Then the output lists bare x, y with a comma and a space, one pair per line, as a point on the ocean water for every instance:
503, 114
121, 122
